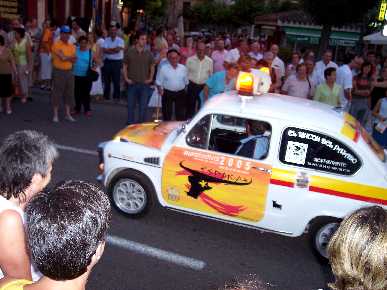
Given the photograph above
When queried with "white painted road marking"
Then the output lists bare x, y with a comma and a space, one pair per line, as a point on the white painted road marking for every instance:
139, 248
77, 150
170, 257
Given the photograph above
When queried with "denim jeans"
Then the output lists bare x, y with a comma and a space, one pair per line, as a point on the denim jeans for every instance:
137, 94
112, 73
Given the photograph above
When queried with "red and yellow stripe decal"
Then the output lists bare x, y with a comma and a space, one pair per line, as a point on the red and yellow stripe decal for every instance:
331, 186
351, 127
283, 177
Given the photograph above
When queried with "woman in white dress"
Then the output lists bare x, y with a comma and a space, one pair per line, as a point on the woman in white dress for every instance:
96, 41
26, 159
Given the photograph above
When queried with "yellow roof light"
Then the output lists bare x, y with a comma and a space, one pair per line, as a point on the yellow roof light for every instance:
245, 84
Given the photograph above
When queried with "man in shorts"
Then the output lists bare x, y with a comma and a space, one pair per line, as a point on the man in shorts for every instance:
63, 58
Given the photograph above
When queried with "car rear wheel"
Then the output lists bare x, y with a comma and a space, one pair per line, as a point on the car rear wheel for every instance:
321, 233
132, 193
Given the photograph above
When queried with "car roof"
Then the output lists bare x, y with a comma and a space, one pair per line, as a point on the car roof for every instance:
304, 113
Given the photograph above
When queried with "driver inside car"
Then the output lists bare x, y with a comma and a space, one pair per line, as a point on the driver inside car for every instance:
256, 144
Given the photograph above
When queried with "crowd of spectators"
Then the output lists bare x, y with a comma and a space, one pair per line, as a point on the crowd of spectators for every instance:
158, 69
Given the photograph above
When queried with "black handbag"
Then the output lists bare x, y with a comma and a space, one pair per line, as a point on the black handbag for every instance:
92, 75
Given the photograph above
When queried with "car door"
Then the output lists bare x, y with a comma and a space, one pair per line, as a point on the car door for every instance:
205, 175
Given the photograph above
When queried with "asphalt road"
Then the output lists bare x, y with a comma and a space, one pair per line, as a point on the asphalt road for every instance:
166, 250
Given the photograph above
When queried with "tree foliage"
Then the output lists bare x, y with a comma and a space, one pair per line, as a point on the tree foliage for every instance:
244, 11
331, 13
154, 9
209, 12
337, 12
241, 12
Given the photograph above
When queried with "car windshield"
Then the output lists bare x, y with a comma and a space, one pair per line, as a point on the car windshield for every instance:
373, 145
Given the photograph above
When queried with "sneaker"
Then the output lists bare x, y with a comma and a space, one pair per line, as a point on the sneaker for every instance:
69, 118
8, 112
55, 119
88, 114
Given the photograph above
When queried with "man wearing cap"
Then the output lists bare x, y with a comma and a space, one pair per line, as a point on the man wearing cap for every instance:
171, 82
63, 58
113, 48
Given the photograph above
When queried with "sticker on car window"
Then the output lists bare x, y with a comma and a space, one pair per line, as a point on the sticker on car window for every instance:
317, 151
296, 152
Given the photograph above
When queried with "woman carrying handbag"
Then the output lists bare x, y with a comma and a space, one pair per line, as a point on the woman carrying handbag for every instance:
84, 76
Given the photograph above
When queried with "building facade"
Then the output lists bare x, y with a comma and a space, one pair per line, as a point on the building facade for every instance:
99, 12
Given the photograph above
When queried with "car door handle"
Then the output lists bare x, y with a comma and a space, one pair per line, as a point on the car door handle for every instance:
262, 169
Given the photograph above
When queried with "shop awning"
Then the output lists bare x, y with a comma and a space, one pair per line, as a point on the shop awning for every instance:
376, 38
312, 36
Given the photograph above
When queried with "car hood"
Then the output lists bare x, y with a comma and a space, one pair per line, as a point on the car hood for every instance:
148, 134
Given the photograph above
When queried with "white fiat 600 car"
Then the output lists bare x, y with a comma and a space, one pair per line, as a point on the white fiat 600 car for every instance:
271, 162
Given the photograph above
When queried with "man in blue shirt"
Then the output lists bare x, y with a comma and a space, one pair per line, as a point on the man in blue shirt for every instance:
256, 144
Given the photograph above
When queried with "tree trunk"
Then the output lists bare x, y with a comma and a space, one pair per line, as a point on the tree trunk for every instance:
324, 39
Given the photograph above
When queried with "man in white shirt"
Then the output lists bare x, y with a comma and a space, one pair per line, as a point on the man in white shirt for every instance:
344, 78
277, 62
233, 55
171, 82
200, 67
113, 49
76, 30
322, 65
255, 50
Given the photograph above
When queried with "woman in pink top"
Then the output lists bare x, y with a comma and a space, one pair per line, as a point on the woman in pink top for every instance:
187, 51
218, 55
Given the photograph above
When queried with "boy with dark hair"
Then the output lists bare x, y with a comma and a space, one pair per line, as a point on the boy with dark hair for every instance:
66, 231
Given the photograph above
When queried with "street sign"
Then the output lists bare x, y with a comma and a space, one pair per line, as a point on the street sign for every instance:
382, 10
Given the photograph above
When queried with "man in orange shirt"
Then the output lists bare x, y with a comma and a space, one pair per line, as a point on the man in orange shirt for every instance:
63, 58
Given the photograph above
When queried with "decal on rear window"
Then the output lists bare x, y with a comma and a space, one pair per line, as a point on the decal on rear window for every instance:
317, 151
296, 152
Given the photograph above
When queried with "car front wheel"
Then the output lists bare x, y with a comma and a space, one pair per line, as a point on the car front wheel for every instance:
132, 193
